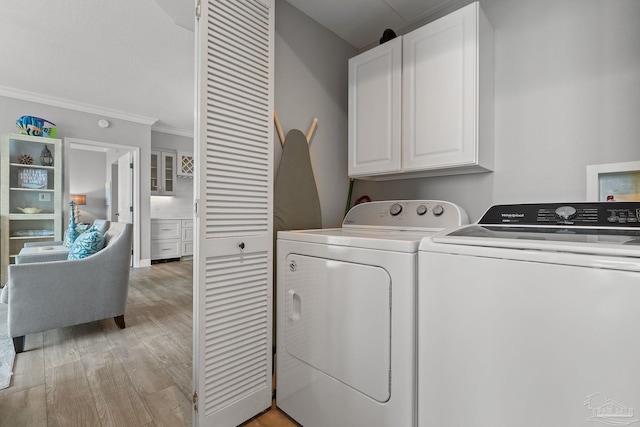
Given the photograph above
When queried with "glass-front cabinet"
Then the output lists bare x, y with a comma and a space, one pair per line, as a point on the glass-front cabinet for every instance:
163, 173
31, 200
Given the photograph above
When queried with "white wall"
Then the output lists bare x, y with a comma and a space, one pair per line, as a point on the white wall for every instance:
567, 94
87, 175
311, 81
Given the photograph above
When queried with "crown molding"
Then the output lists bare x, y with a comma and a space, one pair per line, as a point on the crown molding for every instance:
173, 131
73, 105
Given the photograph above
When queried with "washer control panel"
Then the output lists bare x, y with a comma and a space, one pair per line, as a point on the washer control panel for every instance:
406, 215
596, 214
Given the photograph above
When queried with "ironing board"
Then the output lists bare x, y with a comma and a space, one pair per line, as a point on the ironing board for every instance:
296, 202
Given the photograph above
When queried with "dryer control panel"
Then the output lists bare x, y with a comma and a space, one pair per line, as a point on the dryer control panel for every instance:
406, 215
596, 214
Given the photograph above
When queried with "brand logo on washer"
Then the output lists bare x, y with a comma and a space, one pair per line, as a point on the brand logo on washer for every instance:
512, 215
607, 411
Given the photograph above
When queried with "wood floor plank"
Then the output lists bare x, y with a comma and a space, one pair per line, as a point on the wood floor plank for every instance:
60, 347
116, 399
182, 374
166, 350
272, 418
28, 367
26, 408
169, 407
146, 373
177, 324
90, 337
69, 398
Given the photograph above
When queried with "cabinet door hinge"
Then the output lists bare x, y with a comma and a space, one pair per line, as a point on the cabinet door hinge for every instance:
196, 207
197, 9
195, 400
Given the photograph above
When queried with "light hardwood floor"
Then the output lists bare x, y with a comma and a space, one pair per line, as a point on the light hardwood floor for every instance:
98, 375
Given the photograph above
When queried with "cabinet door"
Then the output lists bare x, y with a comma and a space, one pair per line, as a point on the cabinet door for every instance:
185, 164
163, 173
375, 84
156, 180
440, 66
169, 173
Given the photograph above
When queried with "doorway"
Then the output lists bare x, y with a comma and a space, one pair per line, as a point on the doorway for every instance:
103, 185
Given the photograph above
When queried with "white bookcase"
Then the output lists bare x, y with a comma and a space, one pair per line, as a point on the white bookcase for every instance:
31, 198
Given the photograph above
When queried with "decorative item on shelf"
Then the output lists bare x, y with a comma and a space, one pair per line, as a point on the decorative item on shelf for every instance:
77, 200
32, 178
71, 234
29, 210
25, 159
36, 126
46, 158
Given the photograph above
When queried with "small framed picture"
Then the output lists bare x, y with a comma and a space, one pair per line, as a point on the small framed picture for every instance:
614, 182
32, 178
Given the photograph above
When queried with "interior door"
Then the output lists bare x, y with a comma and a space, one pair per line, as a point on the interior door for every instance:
125, 186
234, 197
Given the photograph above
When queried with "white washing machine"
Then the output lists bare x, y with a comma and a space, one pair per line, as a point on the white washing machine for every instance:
532, 318
346, 315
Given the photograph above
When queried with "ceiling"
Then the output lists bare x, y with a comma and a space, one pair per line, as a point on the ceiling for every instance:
134, 59
361, 22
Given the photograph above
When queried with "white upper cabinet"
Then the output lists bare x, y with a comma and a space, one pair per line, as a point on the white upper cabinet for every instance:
375, 96
163, 173
446, 106
185, 164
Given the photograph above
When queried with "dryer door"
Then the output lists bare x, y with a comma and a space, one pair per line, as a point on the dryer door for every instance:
338, 320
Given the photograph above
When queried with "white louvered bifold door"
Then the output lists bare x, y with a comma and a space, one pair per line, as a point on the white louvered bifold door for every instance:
234, 181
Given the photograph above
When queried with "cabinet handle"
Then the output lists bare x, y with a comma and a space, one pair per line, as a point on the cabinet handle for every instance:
241, 245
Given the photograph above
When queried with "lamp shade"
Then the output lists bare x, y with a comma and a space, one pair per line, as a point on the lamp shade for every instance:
79, 199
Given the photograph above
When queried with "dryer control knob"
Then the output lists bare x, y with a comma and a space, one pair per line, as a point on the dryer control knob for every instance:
421, 210
566, 212
438, 210
395, 209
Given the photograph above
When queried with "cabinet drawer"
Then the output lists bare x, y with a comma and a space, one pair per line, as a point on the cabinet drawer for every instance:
163, 249
187, 223
165, 229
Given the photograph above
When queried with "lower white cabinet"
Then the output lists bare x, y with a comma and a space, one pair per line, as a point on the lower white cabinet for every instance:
166, 238
187, 237
171, 238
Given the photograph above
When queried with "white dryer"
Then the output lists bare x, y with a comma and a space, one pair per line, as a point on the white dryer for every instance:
532, 318
346, 315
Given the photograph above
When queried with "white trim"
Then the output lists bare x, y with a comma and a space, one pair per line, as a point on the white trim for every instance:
74, 105
76, 146
173, 131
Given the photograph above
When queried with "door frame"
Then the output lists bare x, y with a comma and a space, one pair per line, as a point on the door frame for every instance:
85, 144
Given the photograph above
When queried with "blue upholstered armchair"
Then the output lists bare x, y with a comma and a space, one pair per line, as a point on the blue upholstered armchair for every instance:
56, 294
